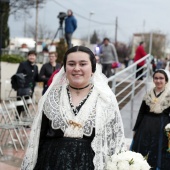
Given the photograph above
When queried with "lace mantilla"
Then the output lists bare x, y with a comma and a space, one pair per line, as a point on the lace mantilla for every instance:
158, 104
100, 111
63, 117
109, 138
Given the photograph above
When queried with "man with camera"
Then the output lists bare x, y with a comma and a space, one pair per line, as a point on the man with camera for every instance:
70, 27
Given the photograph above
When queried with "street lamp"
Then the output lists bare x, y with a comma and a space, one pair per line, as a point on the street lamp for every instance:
1, 27
90, 14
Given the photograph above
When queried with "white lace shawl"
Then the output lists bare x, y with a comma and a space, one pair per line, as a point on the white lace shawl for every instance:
101, 110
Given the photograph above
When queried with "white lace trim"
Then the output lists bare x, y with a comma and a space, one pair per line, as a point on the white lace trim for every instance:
109, 138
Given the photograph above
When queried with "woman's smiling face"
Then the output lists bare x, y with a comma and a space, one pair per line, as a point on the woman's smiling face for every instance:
159, 80
78, 69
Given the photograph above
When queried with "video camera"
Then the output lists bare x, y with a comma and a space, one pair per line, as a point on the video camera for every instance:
61, 16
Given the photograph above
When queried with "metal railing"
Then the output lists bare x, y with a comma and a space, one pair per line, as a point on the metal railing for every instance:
129, 75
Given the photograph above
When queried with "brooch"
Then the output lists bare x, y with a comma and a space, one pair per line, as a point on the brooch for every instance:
75, 124
155, 100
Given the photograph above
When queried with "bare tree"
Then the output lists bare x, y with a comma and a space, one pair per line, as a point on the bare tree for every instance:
23, 5
123, 50
43, 32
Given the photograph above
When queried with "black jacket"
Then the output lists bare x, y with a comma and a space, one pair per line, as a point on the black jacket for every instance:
47, 70
31, 73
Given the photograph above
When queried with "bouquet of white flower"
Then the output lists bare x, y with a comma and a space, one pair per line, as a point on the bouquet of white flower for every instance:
167, 130
127, 160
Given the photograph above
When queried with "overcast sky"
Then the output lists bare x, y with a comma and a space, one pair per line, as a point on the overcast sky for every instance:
134, 16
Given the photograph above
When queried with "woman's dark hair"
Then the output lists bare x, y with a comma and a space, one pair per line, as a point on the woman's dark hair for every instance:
82, 49
162, 72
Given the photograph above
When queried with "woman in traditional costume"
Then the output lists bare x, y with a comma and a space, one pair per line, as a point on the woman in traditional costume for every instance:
78, 124
149, 131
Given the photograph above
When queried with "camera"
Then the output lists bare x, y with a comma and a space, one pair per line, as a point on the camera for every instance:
61, 16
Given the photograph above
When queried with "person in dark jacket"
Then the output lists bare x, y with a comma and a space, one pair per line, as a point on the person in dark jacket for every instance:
30, 71
70, 27
48, 69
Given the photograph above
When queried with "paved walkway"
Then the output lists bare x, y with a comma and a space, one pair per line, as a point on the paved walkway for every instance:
11, 160
126, 112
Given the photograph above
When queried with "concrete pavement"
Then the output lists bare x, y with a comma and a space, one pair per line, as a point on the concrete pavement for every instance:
126, 111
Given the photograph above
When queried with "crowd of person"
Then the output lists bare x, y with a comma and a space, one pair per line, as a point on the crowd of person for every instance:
30, 71
78, 124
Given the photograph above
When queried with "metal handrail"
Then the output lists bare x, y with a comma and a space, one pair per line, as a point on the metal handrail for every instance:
131, 79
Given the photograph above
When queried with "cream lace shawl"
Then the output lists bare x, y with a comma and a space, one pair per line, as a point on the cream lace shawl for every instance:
100, 111
157, 105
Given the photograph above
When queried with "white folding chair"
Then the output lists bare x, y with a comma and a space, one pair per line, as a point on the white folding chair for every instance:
30, 105
25, 115
15, 119
5, 125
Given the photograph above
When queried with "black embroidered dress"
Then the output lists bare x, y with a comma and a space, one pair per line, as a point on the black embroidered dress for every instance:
57, 152
150, 138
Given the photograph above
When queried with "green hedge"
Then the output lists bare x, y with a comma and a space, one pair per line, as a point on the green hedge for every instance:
12, 58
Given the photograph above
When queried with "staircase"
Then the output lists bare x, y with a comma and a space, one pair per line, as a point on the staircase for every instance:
125, 85
126, 92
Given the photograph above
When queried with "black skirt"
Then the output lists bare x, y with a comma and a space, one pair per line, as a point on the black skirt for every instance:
65, 154
150, 139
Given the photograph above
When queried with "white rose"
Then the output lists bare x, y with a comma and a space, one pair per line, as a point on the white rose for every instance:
123, 165
145, 165
111, 166
114, 158
126, 156
135, 155
134, 167
117, 158
167, 127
